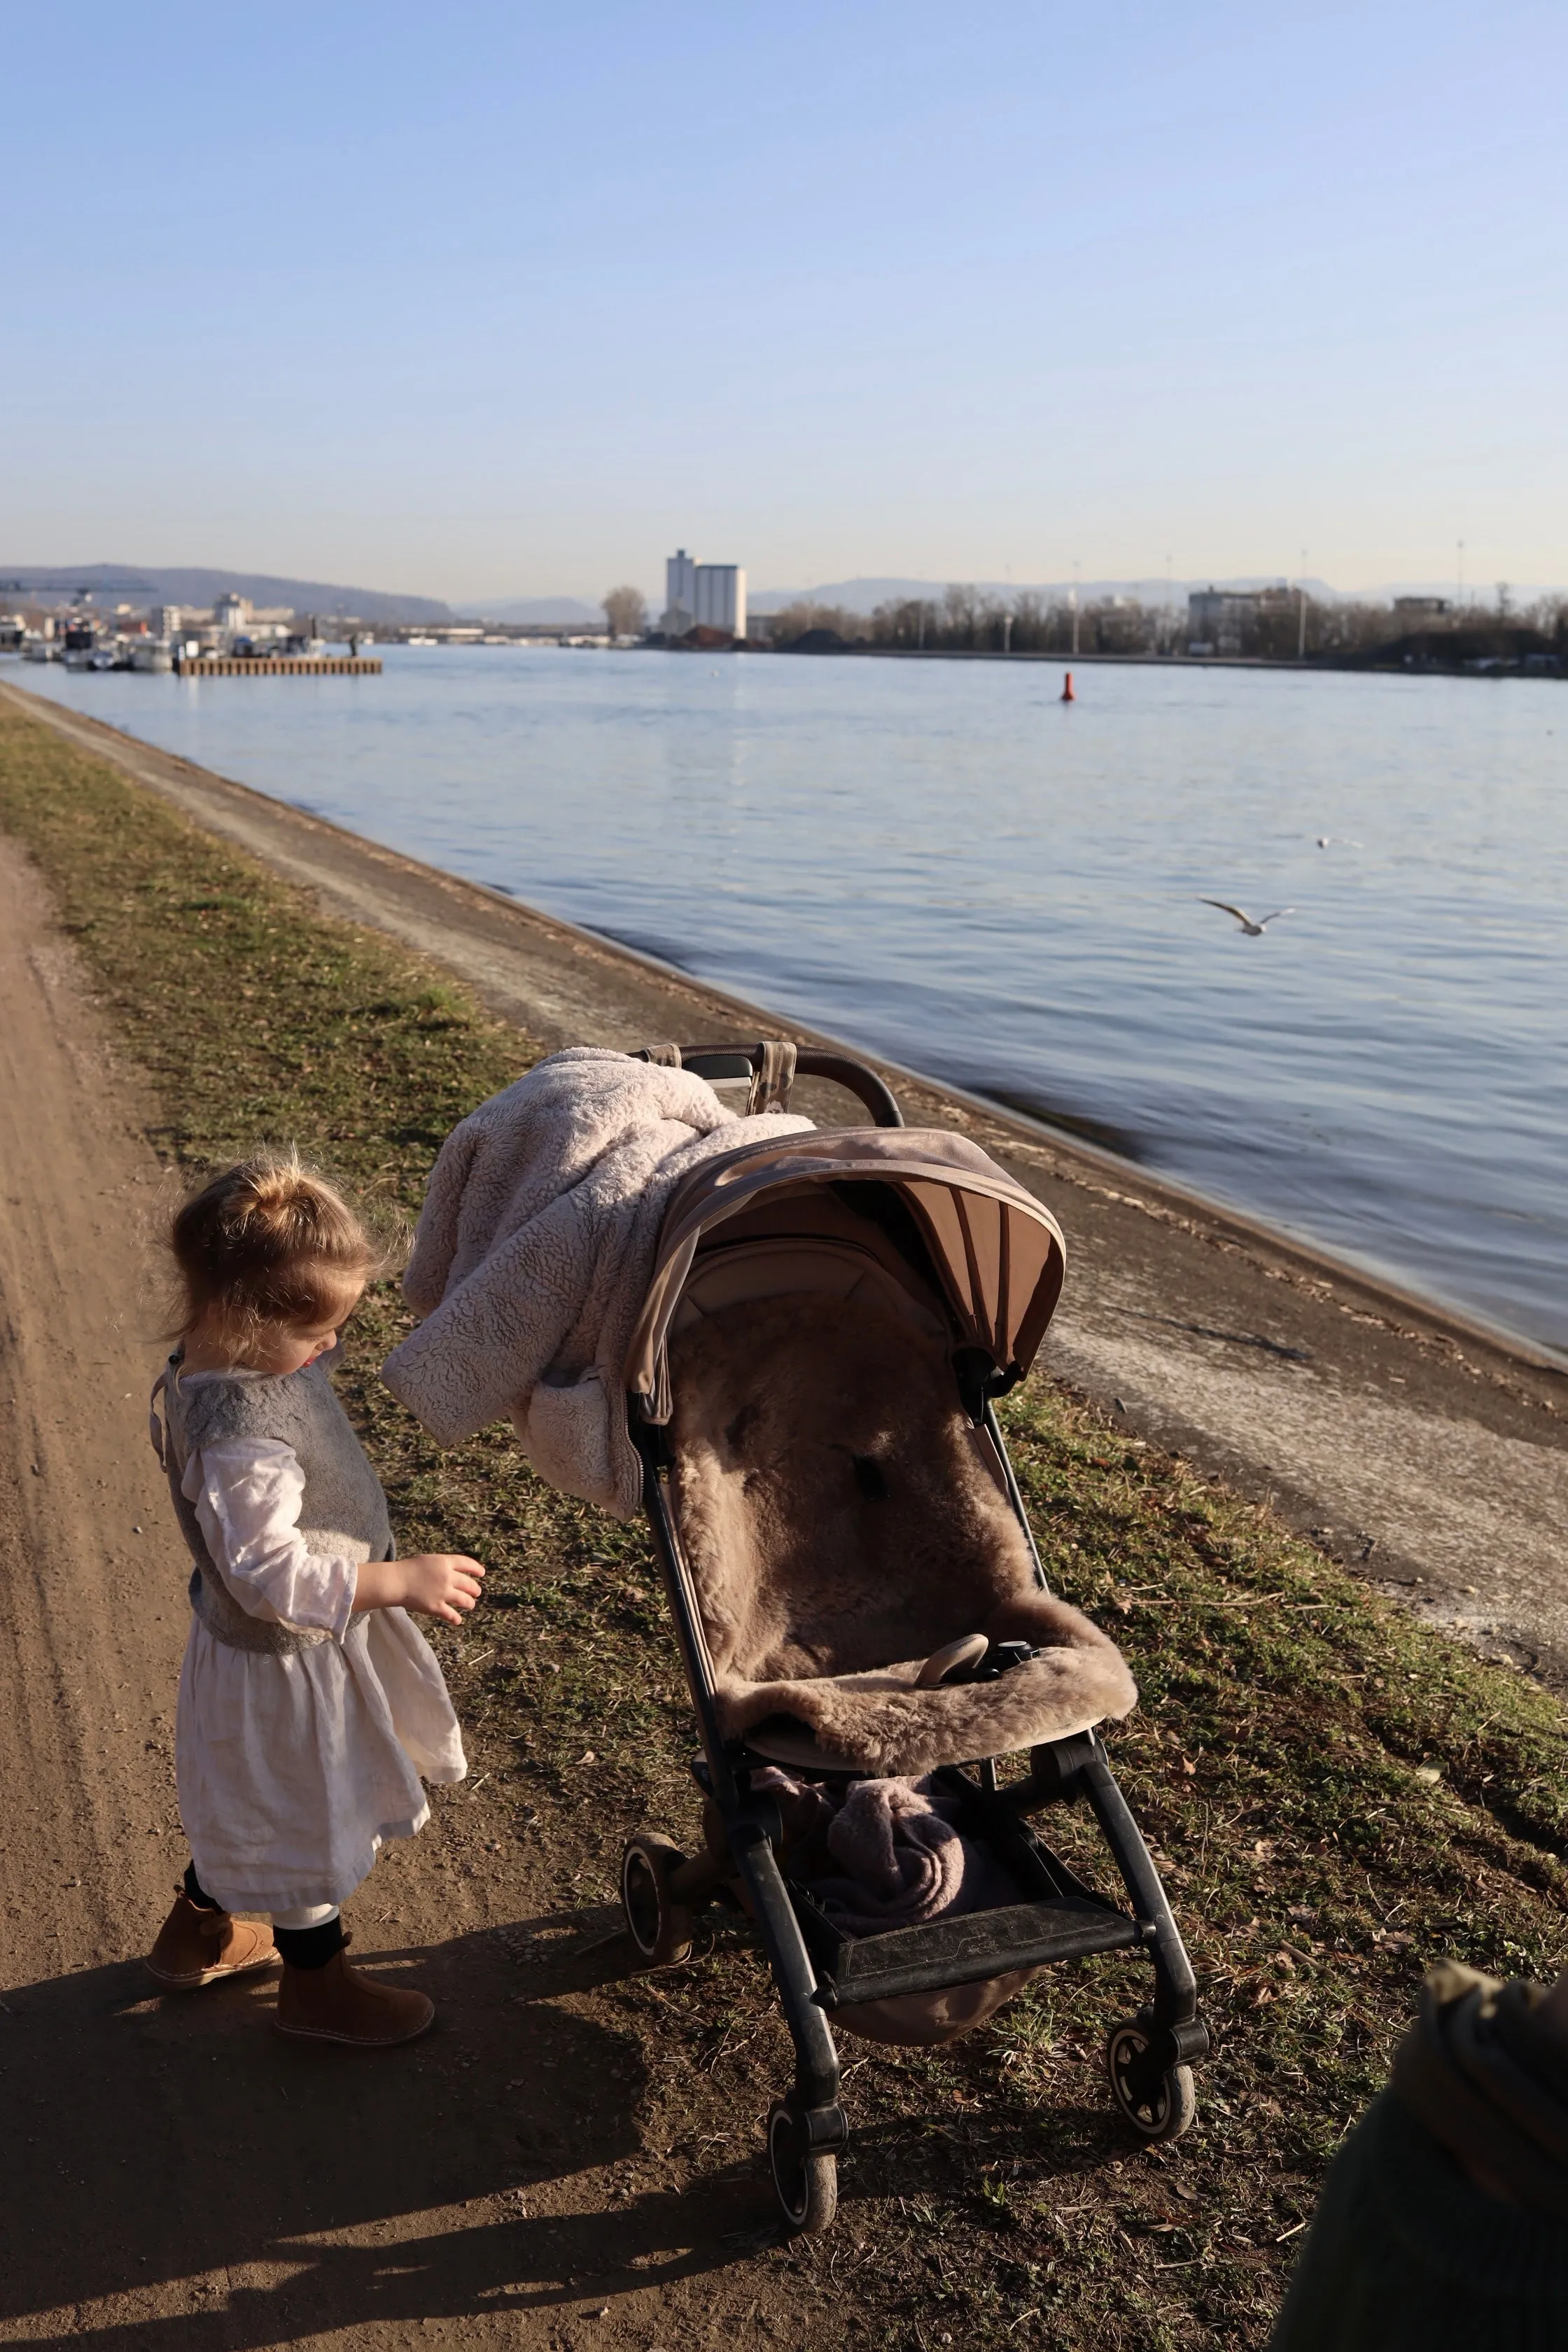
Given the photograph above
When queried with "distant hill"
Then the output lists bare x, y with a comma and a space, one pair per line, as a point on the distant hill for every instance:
182, 585
535, 608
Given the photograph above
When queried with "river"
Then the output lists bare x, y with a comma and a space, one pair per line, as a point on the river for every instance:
945, 862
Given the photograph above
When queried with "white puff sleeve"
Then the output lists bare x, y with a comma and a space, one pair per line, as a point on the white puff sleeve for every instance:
247, 1493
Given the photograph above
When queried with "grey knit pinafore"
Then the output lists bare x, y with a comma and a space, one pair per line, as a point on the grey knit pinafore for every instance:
342, 1511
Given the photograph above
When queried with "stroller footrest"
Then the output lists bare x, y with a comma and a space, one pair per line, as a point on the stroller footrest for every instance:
964, 1950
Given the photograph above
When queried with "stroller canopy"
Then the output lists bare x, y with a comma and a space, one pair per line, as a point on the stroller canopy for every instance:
996, 1251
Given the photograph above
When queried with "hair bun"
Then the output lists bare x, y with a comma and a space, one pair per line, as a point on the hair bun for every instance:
270, 1241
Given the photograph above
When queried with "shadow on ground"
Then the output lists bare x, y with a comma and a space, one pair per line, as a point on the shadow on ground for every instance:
154, 2141
175, 2174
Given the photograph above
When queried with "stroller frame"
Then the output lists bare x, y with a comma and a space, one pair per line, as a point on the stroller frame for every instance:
817, 1970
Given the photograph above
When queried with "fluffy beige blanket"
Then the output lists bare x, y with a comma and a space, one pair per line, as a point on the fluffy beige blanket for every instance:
534, 1252
843, 1521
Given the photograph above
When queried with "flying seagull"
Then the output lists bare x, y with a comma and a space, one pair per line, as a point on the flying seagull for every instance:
1254, 930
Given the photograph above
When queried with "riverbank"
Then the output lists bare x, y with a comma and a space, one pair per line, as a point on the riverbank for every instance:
1340, 1792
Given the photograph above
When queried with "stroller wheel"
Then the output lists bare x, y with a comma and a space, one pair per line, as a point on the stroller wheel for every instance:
1158, 2106
660, 1926
806, 2180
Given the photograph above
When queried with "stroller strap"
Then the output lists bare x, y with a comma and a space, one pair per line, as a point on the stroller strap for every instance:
774, 1077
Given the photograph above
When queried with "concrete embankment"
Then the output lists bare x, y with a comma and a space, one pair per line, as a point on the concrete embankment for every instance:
1428, 1453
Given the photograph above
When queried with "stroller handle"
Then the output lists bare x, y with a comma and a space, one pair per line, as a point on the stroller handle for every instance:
721, 1061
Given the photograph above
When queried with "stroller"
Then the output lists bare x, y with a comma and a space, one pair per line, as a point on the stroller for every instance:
811, 1394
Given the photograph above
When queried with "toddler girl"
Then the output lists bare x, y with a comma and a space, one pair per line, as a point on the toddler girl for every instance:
310, 1707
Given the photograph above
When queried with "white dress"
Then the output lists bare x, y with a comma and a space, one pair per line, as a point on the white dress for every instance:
292, 1767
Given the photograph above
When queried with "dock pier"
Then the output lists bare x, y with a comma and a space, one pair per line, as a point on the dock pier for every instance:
279, 666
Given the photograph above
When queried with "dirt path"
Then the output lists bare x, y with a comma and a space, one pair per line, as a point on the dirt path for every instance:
1407, 1442
170, 2174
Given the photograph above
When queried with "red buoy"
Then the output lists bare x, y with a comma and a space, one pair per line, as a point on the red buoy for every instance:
1068, 694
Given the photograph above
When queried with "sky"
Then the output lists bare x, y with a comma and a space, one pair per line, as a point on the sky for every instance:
511, 300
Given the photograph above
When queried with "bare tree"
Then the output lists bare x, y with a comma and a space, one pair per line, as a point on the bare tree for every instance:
1031, 626
963, 615
625, 612
910, 623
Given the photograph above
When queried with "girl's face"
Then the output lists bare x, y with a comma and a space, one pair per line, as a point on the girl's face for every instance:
275, 1349
282, 1347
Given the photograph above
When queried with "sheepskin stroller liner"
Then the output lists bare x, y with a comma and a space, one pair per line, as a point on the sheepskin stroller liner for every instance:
811, 1394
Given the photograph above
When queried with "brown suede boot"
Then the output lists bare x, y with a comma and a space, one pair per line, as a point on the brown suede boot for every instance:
337, 2004
196, 1947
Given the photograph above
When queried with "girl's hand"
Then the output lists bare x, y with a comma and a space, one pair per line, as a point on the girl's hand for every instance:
441, 1585
433, 1583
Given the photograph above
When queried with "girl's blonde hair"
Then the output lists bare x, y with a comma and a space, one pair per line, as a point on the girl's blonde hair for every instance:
268, 1241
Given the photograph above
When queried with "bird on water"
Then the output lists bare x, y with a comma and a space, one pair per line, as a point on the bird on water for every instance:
1254, 930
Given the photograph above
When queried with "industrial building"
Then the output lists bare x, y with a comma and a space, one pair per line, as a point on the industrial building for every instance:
702, 596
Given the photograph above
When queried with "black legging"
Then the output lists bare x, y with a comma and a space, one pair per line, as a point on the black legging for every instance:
300, 1947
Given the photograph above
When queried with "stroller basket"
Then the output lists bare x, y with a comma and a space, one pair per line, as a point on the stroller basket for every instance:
965, 1950
812, 1392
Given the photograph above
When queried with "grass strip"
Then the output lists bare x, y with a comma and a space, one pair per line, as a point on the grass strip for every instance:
1337, 1794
